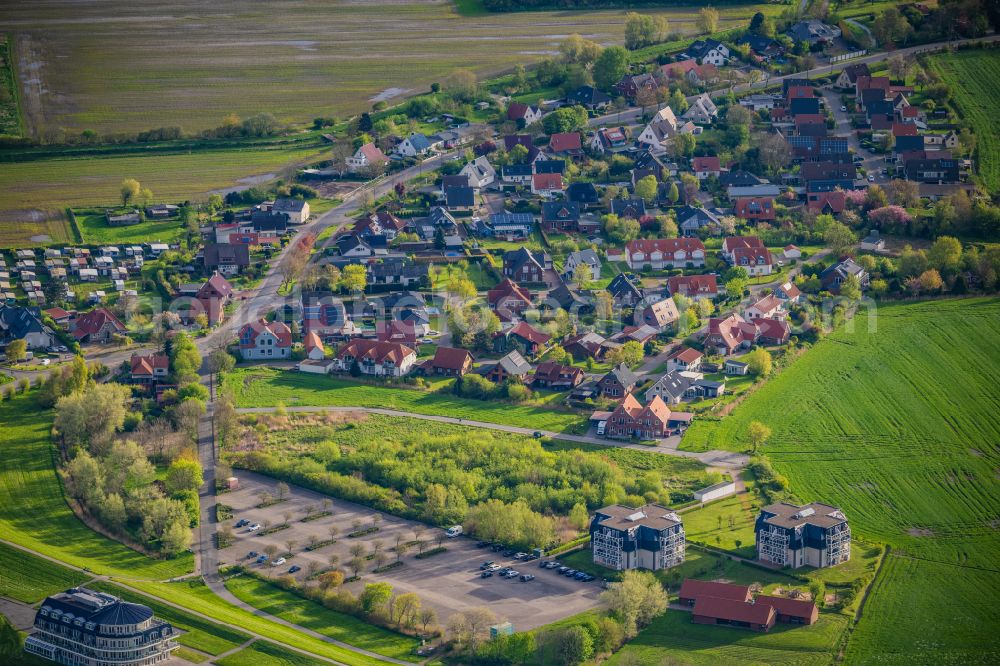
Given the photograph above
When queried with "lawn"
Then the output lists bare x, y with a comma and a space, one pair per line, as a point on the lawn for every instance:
33, 510
28, 578
197, 597
263, 653
710, 524
200, 634
37, 226
974, 78
267, 387
95, 181
897, 423
673, 638
96, 231
309, 614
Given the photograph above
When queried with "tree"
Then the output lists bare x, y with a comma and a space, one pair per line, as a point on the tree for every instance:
353, 278
185, 359
758, 434
891, 26
930, 281
579, 517
610, 66
565, 119
636, 600
374, 597
428, 618
407, 608
899, 67
577, 50
774, 151
461, 84
17, 350
84, 479
646, 188
356, 565
471, 627
220, 361
708, 20
668, 226
130, 190
759, 362
89, 418
183, 474
673, 195
851, 288
905, 193
945, 254
642, 30
839, 238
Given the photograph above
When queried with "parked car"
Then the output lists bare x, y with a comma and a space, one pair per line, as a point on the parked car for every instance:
262, 559
485, 574
252, 554
254, 527
569, 572
497, 547
486, 565
871, 178
554, 564
508, 552
580, 575
562, 570
483, 544
294, 569
493, 567
587, 578
454, 531
843, 108
520, 556
278, 562
526, 578
512, 574
242, 522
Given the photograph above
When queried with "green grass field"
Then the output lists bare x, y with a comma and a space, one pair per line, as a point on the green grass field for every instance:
29, 578
710, 525
34, 513
674, 639
266, 387
974, 77
309, 614
33, 227
200, 634
262, 653
196, 596
898, 423
94, 225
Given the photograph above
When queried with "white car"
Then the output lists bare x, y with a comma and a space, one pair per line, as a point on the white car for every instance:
278, 562
871, 178
254, 527
843, 108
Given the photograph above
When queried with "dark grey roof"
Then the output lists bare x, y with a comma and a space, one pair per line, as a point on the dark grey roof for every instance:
740, 178
521, 170
216, 254
514, 364
628, 207
262, 221
440, 217
568, 299
17, 322
460, 196
515, 259
550, 166
624, 375
621, 286
94, 607
288, 205
584, 193
560, 211
588, 96
690, 217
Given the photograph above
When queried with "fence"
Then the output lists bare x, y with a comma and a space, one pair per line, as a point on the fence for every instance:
848, 56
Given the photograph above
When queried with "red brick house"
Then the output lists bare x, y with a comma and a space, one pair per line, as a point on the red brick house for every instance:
732, 333
618, 382
735, 606
508, 300
522, 337
631, 420
755, 209
98, 325
449, 362
830, 203
693, 286
556, 376
213, 296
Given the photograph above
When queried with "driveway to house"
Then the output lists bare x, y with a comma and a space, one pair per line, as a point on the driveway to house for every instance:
449, 582
727, 459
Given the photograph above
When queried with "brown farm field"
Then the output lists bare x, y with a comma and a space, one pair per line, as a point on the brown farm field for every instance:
117, 66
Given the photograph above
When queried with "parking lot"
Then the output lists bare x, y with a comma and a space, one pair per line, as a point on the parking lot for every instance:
449, 581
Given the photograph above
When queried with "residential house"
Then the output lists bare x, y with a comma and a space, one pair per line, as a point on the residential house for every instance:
849, 76
380, 223
523, 337
684, 359
661, 314
587, 258
710, 51
297, 210
788, 292
397, 271
660, 131
813, 535
560, 216
449, 362
691, 590
759, 102
516, 174
634, 208
588, 345
650, 537
756, 260
355, 247
148, 368
729, 334
702, 110
755, 209
262, 339
511, 140
583, 194
826, 203
624, 290
546, 184
933, 170
735, 368
834, 276
610, 140
213, 296
414, 145
618, 382
588, 97
691, 220
660, 253
556, 377
693, 286
768, 307
367, 156
641, 333
326, 315
511, 366
479, 172
512, 226
872, 242
523, 114
763, 47
267, 224
706, 167
804, 106
313, 345
162, 211
813, 31
99, 326
460, 198
383, 359
226, 258
630, 420
732, 243
565, 298
566, 144
675, 387
24, 323
630, 85
508, 300
523, 265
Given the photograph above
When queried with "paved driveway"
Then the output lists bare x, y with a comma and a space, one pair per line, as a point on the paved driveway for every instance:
449, 582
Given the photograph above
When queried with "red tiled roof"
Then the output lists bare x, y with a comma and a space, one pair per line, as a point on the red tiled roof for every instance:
664, 245
904, 129
836, 199
767, 304
57, 313
692, 284
517, 110
754, 255
94, 321
378, 352
143, 365
311, 341
693, 589
507, 289
278, 329
737, 611
685, 354
547, 181
372, 153
799, 92
730, 243
219, 284
754, 207
681, 67
786, 606
525, 330
565, 141
705, 164
450, 358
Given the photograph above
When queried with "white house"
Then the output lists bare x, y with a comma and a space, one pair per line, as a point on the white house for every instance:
709, 51
480, 173
703, 111
365, 156
265, 340
376, 358
587, 257
297, 210
657, 254
414, 145
769, 307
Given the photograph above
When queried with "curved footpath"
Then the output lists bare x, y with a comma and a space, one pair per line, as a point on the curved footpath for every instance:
725, 459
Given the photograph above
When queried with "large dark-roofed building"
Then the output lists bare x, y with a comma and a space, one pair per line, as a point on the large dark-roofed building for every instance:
81, 626
650, 537
815, 535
